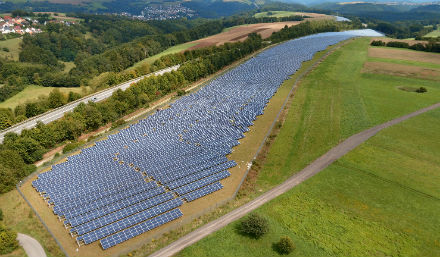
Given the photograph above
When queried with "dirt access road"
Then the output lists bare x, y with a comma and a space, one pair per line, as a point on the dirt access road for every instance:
309, 171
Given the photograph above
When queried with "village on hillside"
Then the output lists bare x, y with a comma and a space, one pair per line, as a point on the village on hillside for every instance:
18, 25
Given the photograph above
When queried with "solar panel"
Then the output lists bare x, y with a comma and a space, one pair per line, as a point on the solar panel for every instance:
140, 228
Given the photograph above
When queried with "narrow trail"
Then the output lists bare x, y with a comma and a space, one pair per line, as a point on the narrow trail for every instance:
31, 246
312, 169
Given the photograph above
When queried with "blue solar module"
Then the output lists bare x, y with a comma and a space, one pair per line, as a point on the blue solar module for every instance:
121, 214
129, 221
118, 206
203, 182
121, 182
140, 228
202, 192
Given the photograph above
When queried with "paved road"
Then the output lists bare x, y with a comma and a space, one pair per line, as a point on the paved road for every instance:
31, 246
309, 171
59, 112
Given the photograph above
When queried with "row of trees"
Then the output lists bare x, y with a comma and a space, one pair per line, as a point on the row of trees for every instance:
426, 47
196, 64
21, 112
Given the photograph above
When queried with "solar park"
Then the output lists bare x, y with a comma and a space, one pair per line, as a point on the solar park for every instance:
138, 179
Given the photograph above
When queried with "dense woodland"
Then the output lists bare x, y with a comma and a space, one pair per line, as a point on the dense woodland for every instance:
30, 145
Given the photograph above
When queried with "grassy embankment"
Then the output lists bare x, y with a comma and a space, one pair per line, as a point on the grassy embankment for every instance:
381, 199
32, 92
13, 48
171, 50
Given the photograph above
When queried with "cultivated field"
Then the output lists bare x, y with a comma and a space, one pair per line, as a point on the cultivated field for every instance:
375, 201
401, 70
239, 33
409, 41
32, 92
404, 54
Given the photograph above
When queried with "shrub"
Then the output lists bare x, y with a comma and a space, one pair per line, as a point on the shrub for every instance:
71, 146
8, 240
180, 92
378, 43
254, 225
118, 123
422, 90
285, 245
1, 214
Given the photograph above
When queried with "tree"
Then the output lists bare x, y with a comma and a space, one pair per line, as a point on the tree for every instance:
56, 99
8, 240
254, 225
422, 90
73, 96
285, 245
32, 109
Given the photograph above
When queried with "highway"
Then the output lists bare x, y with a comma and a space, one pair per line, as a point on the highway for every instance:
58, 113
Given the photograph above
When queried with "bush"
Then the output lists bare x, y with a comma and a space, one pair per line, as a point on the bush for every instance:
71, 146
8, 240
378, 43
254, 225
285, 245
422, 90
1, 214
180, 92
118, 123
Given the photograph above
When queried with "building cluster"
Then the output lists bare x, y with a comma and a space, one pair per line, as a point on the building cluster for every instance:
18, 25
167, 12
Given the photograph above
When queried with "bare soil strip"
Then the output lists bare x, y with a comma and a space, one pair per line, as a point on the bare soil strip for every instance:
401, 70
403, 54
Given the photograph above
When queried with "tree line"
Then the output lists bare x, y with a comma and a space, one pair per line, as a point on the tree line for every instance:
426, 47
19, 152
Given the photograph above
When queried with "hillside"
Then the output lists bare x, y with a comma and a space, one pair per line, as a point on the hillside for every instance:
201, 8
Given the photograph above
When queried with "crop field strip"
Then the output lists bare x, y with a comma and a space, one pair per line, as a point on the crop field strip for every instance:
136, 180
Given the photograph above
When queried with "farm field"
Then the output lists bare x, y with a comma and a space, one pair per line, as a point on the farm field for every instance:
14, 48
32, 92
335, 101
405, 55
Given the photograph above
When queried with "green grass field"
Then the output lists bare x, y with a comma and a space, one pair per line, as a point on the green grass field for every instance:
171, 50
374, 201
32, 92
277, 14
14, 48
435, 33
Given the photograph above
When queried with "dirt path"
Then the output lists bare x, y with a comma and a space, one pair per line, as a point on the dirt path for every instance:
309, 171
31, 246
